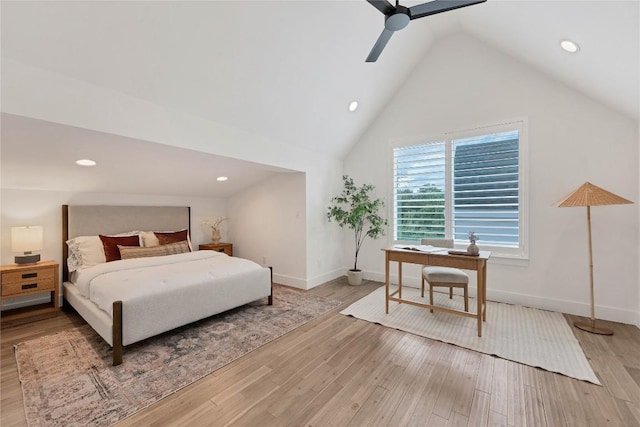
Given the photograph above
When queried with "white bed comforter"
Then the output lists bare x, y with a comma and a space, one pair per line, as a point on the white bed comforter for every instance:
145, 279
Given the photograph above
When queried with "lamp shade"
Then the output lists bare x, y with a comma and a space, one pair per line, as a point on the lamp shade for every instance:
26, 239
591, 195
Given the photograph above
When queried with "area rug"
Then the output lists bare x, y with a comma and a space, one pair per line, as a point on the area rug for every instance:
67, 378
525, 335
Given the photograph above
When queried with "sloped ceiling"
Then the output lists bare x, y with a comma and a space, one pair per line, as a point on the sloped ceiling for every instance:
287, 70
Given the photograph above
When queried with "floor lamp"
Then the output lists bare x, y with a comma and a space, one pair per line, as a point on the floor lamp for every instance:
590, 195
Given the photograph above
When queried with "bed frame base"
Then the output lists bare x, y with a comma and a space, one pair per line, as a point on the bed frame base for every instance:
117, 326
117, 333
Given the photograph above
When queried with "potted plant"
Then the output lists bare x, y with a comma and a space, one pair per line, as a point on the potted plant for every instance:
356, 209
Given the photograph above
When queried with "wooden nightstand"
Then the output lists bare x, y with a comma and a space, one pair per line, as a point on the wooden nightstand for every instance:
30, 279
227, 248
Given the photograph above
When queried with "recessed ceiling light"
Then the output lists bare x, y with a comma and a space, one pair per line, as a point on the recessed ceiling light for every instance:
85, 162
221, 178
569, 46
353, 105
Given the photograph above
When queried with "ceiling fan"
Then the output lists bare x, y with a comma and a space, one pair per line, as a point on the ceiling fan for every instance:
397, 17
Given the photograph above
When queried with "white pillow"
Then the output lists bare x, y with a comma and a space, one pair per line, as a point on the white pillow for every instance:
87, 251
149, 239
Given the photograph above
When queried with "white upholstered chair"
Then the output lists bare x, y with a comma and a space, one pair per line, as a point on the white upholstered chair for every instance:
444, 276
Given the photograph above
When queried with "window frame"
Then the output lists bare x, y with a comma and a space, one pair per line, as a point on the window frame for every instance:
519, 124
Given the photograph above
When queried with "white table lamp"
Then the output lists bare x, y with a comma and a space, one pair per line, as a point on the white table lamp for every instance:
26, 240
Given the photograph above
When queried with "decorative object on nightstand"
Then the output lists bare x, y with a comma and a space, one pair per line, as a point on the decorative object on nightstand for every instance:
26, 240
215, 228
24, 280
227, 248
590, 195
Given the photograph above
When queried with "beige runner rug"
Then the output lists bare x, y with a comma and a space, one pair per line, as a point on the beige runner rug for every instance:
525, 335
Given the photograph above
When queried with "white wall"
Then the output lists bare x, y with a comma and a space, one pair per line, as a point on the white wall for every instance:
268, 226
572, 139
25, 207
32, 92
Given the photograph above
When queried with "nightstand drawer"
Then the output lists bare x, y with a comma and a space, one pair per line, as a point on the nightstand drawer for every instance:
28, 286
226, 248
24, 276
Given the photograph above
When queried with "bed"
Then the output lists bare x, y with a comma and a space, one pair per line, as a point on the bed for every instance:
158, 285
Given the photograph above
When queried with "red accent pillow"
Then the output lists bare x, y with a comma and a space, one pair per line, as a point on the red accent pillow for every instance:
171, 237
110, 244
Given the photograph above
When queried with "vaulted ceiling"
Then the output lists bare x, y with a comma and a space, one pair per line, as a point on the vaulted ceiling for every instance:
287, 70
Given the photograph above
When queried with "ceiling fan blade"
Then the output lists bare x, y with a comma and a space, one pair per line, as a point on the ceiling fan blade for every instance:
382, 5
439, 6
380, 44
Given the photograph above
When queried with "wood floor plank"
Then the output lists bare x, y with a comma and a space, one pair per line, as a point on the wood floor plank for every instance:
430, 393
629, 413
454, 381
337, 370
535, 406
397, 394
571, 401
464, 397
553, 411
366, 411
458, 420
496, 419
516, 407
418, 391
485, 373
499, 387
480, 409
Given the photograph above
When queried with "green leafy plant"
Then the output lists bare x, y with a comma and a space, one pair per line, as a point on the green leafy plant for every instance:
356, 209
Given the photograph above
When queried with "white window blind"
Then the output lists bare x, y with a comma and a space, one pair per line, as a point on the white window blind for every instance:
419, 186
486, 188
464, 183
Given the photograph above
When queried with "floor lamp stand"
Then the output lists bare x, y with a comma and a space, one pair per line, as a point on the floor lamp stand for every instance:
591, 325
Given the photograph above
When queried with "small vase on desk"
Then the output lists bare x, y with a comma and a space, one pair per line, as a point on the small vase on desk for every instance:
215, 235
472, 249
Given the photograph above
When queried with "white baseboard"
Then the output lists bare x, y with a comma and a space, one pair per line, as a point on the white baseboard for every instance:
324, 278
614, 314
294, 282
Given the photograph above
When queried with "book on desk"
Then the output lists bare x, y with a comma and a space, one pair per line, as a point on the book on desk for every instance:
421, 248
432, 250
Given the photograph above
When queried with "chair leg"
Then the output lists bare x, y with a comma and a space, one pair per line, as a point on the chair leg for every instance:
430, 296
422, 293
466, 299
450, 292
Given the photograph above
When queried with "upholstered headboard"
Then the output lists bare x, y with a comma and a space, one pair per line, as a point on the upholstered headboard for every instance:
78, 220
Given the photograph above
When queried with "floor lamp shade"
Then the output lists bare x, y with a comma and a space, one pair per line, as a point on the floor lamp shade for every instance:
588, 195
26, 240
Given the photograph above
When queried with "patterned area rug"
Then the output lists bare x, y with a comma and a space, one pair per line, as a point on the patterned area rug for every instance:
525, 335
67, 378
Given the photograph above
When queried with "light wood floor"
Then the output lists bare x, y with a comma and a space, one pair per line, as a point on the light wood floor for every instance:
340, 371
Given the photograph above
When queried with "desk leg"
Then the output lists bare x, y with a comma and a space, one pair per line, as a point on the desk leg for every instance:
479, 298
399, 279
484, 291
386, 283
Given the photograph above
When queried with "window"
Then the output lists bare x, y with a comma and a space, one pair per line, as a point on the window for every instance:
466, 181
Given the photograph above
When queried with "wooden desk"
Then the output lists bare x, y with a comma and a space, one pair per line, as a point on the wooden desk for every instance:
442, 259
